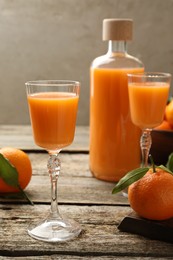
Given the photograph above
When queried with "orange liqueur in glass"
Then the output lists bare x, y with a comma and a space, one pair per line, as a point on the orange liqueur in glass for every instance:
53, 118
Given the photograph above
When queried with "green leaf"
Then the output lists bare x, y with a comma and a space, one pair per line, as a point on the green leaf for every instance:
25, 195
169, 99
8, 172
169, 163
129, 178
9, 175
165, 169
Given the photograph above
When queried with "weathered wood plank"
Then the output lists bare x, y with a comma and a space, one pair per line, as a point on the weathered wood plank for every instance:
76, 184
20, 136
100, 236
71, 190
72, 165
106, 215
74, 257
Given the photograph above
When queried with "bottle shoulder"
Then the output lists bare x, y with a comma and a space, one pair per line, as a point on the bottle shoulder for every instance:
117, 60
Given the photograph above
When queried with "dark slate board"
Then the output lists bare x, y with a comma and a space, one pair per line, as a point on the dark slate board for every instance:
159, 230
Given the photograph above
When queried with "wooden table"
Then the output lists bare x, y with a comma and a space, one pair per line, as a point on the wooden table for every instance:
84, 198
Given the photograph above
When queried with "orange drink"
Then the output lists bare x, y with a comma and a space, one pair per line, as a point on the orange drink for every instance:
148, 102
53, 109
148, 95
114, 139
53, 118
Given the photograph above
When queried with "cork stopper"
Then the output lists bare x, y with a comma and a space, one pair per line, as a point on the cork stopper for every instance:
117, 29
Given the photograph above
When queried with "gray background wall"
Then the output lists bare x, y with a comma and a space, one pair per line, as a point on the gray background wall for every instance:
58, 39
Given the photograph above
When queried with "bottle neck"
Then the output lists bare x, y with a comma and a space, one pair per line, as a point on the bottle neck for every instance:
117, 47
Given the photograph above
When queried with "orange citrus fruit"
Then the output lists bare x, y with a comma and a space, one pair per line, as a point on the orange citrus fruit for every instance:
20, 160
151, 196
169, 112
165, 125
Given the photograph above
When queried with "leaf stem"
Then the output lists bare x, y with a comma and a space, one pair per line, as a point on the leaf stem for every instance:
152, 162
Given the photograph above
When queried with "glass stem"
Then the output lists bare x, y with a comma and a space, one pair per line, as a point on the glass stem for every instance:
145, 143
54, 167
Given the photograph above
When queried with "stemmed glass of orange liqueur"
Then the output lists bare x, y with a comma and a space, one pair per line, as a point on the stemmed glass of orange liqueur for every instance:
53, 109
148, 95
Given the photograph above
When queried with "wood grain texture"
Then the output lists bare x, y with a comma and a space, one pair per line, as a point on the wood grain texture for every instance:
100, 236
81, 197
75, 185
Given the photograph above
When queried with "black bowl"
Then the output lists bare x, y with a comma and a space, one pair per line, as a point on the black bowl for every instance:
162, 145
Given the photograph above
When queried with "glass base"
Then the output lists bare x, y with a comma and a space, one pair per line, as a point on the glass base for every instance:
53, 230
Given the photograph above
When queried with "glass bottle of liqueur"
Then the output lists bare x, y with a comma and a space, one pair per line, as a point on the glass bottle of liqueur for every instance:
114, 140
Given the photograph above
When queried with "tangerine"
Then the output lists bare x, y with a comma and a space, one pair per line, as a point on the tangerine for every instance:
151, 196
169, 112
20, 160
165, 125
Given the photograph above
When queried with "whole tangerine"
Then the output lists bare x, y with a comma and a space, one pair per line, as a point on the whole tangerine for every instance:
21, 161
151, 196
